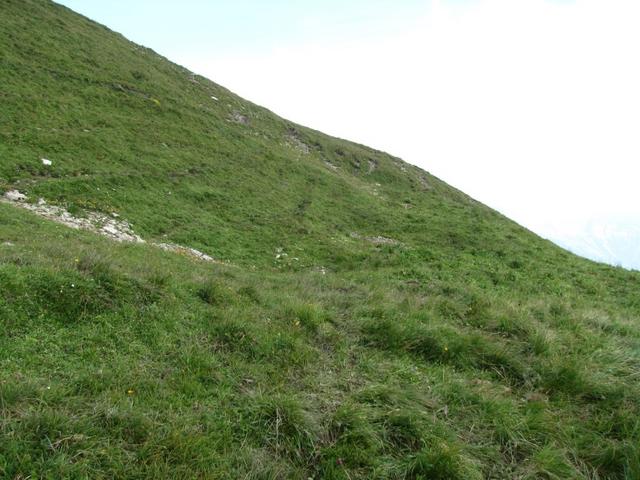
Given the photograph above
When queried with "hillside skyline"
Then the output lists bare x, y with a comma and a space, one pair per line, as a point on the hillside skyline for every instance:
548, 142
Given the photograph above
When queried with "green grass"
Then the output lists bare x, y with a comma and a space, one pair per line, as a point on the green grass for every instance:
469, 349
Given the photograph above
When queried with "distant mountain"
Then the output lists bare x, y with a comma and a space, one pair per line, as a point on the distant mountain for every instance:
615, 241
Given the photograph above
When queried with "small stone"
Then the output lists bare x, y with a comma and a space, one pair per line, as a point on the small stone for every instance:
15, 196
238, 117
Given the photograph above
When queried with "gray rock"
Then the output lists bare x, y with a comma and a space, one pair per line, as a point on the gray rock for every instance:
15, 196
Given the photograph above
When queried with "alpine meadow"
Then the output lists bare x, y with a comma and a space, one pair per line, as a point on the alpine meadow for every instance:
194, 287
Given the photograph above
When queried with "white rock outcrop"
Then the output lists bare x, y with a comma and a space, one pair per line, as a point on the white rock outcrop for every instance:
15, 196
106, 225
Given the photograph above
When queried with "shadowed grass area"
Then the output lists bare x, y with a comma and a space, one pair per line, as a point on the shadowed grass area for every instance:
370, 322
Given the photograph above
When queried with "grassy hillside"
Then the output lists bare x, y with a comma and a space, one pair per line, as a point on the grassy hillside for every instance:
369, 320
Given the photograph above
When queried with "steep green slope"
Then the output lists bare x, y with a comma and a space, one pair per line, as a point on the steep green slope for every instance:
372, 322
129, 132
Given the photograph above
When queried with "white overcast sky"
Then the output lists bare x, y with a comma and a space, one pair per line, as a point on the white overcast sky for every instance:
530, 106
